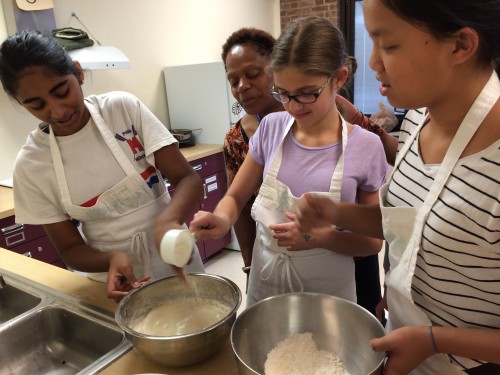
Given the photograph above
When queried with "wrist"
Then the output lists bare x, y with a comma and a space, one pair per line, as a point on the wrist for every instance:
433, 340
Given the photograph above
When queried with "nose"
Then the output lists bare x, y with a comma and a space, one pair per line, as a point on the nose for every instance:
57, 109
375, 61
243, 84
294, 105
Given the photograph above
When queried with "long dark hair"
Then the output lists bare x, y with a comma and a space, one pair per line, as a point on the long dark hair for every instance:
442, 18
27, 49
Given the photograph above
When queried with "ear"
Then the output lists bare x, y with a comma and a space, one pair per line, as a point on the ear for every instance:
79, 75
341, 77
466, 44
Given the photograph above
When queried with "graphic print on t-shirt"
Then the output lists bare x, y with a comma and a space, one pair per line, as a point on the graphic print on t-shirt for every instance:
134, 143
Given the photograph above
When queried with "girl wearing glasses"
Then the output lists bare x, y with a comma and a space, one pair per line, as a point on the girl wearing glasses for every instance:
307, 148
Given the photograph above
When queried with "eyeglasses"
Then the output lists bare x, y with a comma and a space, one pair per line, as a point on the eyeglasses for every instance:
302, 98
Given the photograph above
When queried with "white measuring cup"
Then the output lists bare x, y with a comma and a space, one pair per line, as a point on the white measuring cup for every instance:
176, 247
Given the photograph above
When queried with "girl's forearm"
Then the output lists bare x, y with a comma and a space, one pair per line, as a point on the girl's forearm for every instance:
359, 218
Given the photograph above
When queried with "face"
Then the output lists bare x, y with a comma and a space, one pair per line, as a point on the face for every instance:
411, 65
290, 81
249, 81
53, 99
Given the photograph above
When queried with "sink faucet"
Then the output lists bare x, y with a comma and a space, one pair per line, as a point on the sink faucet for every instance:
2, 282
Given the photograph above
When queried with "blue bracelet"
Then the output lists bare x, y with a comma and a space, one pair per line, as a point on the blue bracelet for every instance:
433, 340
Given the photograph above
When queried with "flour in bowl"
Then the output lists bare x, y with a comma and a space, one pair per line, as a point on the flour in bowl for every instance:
299, 355
180, 317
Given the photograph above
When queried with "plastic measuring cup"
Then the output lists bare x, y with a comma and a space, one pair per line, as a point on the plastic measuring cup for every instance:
176, 247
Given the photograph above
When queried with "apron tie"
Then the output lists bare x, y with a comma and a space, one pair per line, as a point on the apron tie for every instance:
288, 271
140, 250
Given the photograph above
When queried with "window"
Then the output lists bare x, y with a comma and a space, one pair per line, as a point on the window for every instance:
365, 91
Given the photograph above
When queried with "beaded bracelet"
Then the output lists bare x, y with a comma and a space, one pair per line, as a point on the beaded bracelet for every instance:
433, 340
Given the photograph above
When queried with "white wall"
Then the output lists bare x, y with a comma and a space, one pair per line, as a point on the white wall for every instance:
153, 34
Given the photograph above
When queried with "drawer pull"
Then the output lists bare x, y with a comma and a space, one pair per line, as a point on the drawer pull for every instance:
14, 239
28, 254
12, 229
198, 167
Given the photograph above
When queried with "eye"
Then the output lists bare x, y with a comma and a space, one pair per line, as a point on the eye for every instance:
36, 107
62, 93
389, 48
253, 73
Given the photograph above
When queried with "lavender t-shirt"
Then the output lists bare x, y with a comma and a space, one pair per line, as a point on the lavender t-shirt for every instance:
309, 169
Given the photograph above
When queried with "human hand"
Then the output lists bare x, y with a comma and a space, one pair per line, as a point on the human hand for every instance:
121, 278
288, 235
207, 225
406, 348
314, 211
348, 111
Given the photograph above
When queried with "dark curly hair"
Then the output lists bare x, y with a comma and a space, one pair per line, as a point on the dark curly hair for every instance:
262, 40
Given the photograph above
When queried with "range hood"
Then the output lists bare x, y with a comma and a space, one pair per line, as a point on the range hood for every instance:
100, 57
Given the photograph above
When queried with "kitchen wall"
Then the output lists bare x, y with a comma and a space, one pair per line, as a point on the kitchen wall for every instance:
153, 34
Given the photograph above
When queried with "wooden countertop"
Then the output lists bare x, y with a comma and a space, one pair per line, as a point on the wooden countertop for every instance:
94, 293
190, 153
6, 202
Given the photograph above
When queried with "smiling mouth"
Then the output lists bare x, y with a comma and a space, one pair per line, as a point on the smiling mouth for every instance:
64, 120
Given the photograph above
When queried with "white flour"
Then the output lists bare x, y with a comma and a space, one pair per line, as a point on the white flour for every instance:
181, 317
299, 355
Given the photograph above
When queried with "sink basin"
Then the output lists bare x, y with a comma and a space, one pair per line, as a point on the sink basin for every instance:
55, 340
14, 302
44, 331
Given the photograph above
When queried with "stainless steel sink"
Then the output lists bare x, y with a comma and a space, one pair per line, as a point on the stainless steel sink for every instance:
43, 331
14, 302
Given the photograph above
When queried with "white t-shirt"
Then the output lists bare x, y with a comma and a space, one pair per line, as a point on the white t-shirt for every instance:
89, 165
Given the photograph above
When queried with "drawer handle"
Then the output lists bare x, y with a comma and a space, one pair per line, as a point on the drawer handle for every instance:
12, 229
28, 254
14, 238
198, 167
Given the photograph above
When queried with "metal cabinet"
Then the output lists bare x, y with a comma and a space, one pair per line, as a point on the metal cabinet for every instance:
212, 172
28, 240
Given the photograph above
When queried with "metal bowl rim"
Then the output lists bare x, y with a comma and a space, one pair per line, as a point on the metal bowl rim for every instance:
300, 294
136, 334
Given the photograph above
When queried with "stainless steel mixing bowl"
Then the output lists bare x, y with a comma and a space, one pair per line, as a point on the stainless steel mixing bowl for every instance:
186, 349
337, 325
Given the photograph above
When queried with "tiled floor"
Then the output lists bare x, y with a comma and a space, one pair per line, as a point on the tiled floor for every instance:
228, 263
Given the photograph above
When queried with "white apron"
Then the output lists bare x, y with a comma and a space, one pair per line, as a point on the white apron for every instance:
403, 227
276, 270
123, 217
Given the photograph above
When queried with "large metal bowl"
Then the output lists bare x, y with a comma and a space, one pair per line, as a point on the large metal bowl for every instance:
185, 349
337, 325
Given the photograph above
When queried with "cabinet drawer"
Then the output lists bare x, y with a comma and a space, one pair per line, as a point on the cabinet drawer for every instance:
209, 165
41, 249
12, 234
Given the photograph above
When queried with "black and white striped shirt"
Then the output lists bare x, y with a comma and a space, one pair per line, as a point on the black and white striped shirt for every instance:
457, 276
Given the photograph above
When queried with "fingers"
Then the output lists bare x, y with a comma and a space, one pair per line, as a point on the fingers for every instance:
378, 344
